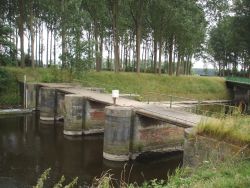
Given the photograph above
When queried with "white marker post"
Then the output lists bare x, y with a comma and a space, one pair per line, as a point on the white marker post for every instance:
115, 95
24, 92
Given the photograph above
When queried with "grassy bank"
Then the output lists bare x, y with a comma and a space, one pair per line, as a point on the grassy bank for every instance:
209, 175
147, 85
232, 129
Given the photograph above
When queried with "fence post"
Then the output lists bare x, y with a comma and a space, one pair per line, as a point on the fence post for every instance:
171, 100
24, 92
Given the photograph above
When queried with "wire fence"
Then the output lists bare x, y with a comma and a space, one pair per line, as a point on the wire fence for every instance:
218, 108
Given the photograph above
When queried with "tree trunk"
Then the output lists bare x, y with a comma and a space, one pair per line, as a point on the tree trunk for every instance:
54, 47
160, 52
115, 34
47, 48
32, 35
16, 47
42, 47
155, 55
63, 35
97, 54
178, 65
138, 45
50, 53
101, 51
170, 60
21, 31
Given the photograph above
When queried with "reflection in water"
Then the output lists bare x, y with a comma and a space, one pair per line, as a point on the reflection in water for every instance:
28, 147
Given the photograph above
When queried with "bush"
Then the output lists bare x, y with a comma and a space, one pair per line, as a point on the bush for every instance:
5, 79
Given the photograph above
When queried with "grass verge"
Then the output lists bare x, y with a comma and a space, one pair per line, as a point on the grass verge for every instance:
209, 175
148, 86
231, 129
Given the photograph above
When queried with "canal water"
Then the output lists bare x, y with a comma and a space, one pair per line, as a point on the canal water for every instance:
28, 147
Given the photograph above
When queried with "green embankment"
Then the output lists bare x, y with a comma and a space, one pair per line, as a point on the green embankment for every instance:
231, 129
210, 175
148, 86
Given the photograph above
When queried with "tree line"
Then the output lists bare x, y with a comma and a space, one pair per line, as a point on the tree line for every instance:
229, 42
160, 36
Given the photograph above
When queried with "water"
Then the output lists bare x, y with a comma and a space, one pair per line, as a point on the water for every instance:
28, 147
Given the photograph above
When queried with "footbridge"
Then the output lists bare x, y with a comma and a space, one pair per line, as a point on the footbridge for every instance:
130, 127
240, 88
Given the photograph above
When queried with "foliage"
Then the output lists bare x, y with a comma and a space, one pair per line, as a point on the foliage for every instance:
4, 79
41, 182
8, 88
7, 48
210, 174
229, 42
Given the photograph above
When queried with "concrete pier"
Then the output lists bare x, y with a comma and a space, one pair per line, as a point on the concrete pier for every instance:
47, 103
117, 133
60, 105
74, 114
94, 117
150, 134
31, 96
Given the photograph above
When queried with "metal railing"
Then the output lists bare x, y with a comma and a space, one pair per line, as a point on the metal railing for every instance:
201, 107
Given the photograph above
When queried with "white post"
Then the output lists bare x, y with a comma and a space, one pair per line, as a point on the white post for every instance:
115, 95
24, 92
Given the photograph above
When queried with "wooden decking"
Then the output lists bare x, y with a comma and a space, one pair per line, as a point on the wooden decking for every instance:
157, 111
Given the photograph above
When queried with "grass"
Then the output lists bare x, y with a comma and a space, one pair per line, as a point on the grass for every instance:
209, 175
148, 86
232, 129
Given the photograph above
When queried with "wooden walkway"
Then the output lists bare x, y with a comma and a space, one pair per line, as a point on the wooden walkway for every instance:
157, 111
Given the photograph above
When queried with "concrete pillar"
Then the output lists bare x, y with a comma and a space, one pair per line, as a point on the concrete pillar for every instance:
60, 106
190, 155
117, 131
47, 100
74, 111
150, 134
94, 117
31, 95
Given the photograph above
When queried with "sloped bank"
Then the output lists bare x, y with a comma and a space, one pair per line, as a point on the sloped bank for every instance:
229, 140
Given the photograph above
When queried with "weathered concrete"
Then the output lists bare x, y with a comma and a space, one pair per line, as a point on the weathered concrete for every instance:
31, 96
94, 117
198, 149
60, 112
47, 103
117, 133
128, 134
74, 108
151, 134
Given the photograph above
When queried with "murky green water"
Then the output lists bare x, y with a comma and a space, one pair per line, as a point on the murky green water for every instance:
28, 147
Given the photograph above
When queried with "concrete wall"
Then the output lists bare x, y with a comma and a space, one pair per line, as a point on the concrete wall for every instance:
154, 135
200, 148
60, 105
47, 103
31, 94
128, 134
73, 119
94, 117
